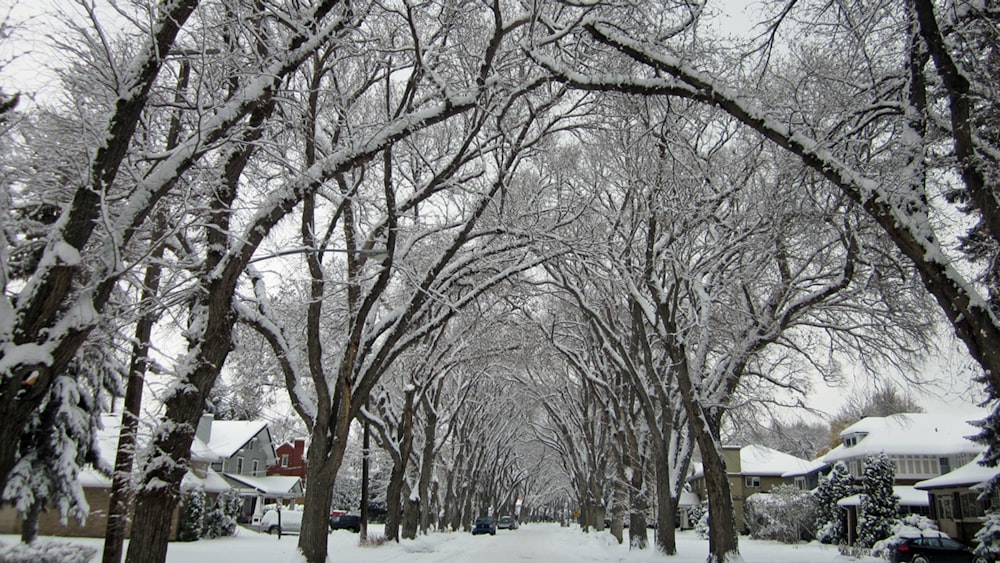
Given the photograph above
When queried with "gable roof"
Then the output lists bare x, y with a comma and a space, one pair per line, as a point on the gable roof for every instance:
812, 467
762, 460
909, 434
107, 450
228, 436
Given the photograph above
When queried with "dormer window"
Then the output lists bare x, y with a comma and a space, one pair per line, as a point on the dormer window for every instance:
852, 440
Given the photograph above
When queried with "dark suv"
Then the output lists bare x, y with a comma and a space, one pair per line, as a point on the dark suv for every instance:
484, 525
933, 547
350, 522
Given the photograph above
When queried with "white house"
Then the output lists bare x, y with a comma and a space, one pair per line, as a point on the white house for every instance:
920, 446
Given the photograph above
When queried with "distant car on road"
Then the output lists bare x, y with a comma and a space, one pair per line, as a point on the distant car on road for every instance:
350, 522
933, 547
484, 525
506, 523
291, 522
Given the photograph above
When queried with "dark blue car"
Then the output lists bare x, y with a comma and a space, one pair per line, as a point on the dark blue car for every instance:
484, 525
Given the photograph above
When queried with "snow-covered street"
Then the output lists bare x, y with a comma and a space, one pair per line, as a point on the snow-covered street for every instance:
532, 542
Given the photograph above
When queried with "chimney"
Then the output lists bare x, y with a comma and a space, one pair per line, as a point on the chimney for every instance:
204, 431
300, 447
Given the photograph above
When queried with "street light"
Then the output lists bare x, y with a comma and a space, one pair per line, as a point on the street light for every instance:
376, 254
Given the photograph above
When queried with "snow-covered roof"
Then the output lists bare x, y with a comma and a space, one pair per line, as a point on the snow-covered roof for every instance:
909, 434
969, 475
228, 436
908, 496
813, 466
761, 460
283, 486
107, 441
212, 483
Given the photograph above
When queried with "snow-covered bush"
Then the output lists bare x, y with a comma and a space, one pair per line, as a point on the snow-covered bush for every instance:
44, 551
192, 516
879, 506
785, 514
701, 528
831, 518
220, 520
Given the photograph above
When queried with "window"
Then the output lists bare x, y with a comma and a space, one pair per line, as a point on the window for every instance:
254, 466
752, 481
971, 506
800, 483
944, 507
284, 460
239, 464
945, 465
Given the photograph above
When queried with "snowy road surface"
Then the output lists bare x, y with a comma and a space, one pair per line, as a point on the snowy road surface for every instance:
546, 543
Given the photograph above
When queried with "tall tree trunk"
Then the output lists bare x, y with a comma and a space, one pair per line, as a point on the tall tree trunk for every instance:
666, 537
393, 496
411, 514
366, 445
121, 480
427, 459
723, 540
638, 536
325, 458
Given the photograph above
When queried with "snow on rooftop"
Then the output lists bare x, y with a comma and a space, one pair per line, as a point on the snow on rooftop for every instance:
909, 434
228, 436
107, 441
272, 485
811, 467
908, 496
212, 483
761, 460
969, 475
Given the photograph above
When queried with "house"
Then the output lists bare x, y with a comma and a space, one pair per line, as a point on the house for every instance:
291, 460
751, 469
243, 451
954, 499
97, 488
920, 445
806, 478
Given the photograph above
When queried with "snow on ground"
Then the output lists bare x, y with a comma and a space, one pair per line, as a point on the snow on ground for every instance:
532, 542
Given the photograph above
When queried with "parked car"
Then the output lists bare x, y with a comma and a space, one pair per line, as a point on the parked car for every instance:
933, 547
350, 522
506, 523
484, 525
291, 521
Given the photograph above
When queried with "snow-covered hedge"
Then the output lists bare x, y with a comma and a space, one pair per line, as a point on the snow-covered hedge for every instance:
43, 551
785, 514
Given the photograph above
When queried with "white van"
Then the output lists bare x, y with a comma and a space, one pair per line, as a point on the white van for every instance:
291, 521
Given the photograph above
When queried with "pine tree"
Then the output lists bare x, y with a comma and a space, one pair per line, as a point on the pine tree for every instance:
831, 518
220, 520
879, 506
192, 516
60, 439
